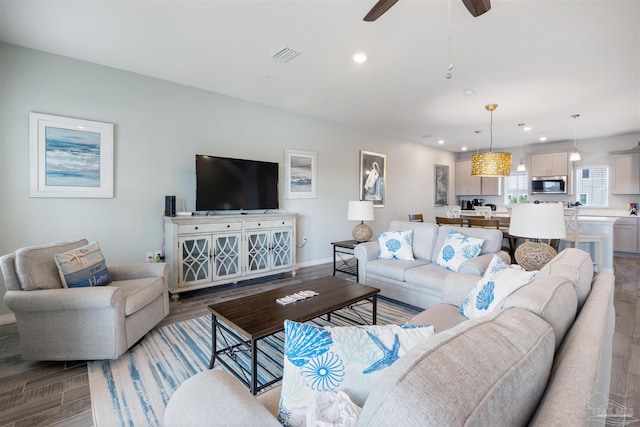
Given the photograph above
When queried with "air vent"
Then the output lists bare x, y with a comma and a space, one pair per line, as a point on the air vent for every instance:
284, 54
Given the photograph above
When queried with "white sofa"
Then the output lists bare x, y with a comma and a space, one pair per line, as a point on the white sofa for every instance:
422, 282
100, 322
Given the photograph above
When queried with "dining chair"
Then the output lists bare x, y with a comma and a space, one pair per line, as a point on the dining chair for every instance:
415, 218
482, 222
450, 221
453, 211
512, 241
484, 211
574, 236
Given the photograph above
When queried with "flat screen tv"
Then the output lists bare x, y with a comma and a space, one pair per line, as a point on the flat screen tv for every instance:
224, 183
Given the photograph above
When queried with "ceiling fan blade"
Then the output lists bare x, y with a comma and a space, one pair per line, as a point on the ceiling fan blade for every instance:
380, 8
477, 7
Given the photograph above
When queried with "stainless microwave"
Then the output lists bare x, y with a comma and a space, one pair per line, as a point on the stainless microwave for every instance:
549, 184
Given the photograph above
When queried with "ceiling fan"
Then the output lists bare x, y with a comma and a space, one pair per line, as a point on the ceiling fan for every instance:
476, 7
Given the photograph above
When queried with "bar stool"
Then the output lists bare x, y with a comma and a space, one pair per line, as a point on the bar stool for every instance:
574, 236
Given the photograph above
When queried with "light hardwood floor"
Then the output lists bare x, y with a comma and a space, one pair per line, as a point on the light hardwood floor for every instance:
57, 393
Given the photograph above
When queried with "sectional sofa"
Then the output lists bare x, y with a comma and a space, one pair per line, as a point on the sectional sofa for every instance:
542, 359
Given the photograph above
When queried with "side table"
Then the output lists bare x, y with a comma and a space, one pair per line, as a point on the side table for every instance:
343, 253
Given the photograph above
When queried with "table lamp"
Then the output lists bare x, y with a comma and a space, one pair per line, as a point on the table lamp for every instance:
361, 211
536, 221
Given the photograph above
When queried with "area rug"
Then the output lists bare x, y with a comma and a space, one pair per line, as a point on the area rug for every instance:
135, 389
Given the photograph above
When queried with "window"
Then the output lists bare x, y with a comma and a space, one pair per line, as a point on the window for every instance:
592, 186
517, 188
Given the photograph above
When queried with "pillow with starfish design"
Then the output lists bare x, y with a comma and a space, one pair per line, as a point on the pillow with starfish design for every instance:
83, 267
338, 358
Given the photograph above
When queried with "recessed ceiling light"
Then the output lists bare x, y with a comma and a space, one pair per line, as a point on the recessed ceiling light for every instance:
526, 128
543, 138
469, 92
463, 148
359, 57
441, 141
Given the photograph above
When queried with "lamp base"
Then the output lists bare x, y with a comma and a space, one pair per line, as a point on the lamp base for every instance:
362, 232
534, 255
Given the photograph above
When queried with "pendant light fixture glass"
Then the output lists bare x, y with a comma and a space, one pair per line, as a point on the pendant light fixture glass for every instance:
491, 164
521, 165
575, 156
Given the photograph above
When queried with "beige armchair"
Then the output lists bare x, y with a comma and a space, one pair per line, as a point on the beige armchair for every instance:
100, 322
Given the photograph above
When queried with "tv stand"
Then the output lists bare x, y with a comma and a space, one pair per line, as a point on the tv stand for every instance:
205, 251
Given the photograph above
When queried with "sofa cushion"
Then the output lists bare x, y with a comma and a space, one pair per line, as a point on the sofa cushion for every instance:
457, 248
396, 245
392, 268
140, 292
36, 266
441, 316
349, 359
443, 382
575, 265
83, 267
424, 236
491, 290
496, 265
552, 298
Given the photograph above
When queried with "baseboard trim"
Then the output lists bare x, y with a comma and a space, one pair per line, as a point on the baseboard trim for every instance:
5, 319
314, 262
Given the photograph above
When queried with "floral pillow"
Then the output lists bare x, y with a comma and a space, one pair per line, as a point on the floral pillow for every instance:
396, 245
491, 290
457, 249
349, 359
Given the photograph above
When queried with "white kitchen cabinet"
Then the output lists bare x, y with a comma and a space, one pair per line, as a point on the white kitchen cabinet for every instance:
466, 185
205, 251
550, 164
625, 173
625, 235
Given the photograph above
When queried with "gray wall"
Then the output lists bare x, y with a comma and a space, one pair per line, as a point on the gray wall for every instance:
159, 127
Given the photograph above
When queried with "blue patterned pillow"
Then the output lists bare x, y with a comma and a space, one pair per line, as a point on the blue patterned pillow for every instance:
491, 290
496, 265
83, 267
396, 245
457, 249
349, 359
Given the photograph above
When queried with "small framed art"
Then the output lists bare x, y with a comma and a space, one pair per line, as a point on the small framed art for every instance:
301, 174
70, 157
372, 177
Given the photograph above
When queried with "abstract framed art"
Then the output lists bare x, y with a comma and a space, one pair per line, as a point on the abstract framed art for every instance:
301, 174
441, 186
70, 157
372, 177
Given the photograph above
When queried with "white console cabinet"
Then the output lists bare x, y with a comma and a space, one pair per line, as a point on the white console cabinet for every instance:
205, 251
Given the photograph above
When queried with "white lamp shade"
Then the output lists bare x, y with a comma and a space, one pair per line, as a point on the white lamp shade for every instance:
360, 211
538, 221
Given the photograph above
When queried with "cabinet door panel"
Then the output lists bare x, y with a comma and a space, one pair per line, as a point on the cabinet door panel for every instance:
281, 254
195, 262
226, 255
258, 251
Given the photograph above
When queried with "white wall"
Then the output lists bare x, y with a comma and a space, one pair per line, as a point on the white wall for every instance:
159, 127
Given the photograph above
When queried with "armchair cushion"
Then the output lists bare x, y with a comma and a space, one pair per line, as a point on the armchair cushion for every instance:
36, 267
83, 267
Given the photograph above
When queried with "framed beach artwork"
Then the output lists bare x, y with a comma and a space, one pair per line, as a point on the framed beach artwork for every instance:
301, 174
70, 157
441, 187
372, 177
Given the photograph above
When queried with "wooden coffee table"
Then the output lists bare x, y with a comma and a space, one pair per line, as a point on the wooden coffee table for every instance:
257, 316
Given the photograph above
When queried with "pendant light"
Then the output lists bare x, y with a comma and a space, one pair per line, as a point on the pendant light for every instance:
491, 164
521, 165
575, 156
